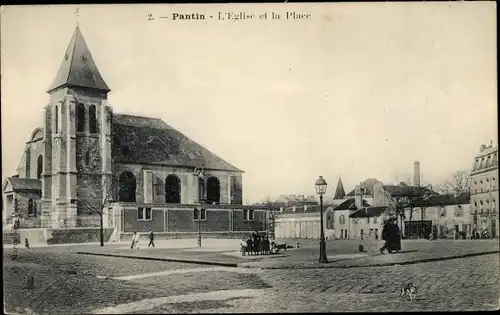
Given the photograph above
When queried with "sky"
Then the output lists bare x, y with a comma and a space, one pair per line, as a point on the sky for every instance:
358, 90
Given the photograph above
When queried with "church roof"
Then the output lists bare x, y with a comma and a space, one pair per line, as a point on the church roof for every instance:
78, 67
144, 140
339, 191
24, 183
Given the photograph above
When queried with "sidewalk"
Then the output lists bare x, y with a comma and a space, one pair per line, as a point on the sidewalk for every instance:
340, 255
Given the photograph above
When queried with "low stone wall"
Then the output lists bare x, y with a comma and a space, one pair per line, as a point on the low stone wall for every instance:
10, 238
77, 235
34, 236
188, 235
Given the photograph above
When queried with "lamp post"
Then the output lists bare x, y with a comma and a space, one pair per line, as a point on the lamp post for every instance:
199, 173
321, 190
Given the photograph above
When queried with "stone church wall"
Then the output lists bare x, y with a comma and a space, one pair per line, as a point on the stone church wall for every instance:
189, 185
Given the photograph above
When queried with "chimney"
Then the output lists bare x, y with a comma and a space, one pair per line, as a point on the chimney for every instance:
358, 197
416, 174
293, 208
281, 209
491, 143
305, 207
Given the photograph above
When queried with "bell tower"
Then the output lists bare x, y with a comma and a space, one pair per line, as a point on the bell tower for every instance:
77, 146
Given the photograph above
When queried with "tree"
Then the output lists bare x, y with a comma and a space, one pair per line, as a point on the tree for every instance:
458, 183
399, 204
102, 202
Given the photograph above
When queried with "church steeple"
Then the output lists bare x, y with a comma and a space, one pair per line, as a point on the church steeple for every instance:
339, 192
78, 67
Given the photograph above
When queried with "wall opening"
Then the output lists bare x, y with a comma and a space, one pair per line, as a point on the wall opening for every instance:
39, 167
172, 189
213, 190
127, 187
80, 117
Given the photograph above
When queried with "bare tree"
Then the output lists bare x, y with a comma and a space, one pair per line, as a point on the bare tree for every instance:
458, 183
399, 204
101, 202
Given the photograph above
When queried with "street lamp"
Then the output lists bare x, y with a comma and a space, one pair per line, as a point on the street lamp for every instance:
199, 173
321, 190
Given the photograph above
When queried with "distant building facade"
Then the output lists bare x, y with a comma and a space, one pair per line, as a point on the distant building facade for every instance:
484, 190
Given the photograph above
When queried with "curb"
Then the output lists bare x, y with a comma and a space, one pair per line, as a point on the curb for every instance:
199, 262
412, 262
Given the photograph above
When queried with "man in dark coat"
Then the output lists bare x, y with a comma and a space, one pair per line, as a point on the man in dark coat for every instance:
151, 239
392, 237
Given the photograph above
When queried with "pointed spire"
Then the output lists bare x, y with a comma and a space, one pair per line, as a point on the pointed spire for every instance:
339, 192
78, 67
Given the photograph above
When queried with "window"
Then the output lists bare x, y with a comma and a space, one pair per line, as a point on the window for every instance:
362, 233
249, 215
475, 203
375, 220
458, 211
80, 117
355, 220
31, 208
197, 212
39, 167
342, 219
143, 213
329, 220
368, 220
92, 119
56, 119
341, 233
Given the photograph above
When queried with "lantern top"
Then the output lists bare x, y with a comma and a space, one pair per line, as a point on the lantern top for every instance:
321, 185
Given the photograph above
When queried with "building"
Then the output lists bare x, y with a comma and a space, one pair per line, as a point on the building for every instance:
297, 200
441, 216
140, 171
484, 190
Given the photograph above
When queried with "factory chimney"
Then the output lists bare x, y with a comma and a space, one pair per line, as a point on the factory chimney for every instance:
416, 174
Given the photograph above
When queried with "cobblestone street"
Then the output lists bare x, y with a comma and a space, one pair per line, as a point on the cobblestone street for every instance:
68, 283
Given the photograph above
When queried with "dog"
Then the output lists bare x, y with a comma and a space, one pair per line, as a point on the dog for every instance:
297, 245
409, 290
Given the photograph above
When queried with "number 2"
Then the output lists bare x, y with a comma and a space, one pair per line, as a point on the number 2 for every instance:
150, 17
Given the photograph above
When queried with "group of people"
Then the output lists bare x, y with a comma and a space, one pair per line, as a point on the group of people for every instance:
257, 244
135, 240
392, 236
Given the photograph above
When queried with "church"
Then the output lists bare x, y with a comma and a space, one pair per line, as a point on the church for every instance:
141, 173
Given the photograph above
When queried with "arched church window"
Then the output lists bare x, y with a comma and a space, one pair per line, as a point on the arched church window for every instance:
92, 119
80, 117
31, 208
39, 167
127, 184
56, 119
213, 190
172, 189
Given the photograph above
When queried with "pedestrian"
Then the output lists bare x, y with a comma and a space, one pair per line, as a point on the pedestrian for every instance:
26, 243
137, 236
133, 240
151, 239
250, 245
243, 246
392, 237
